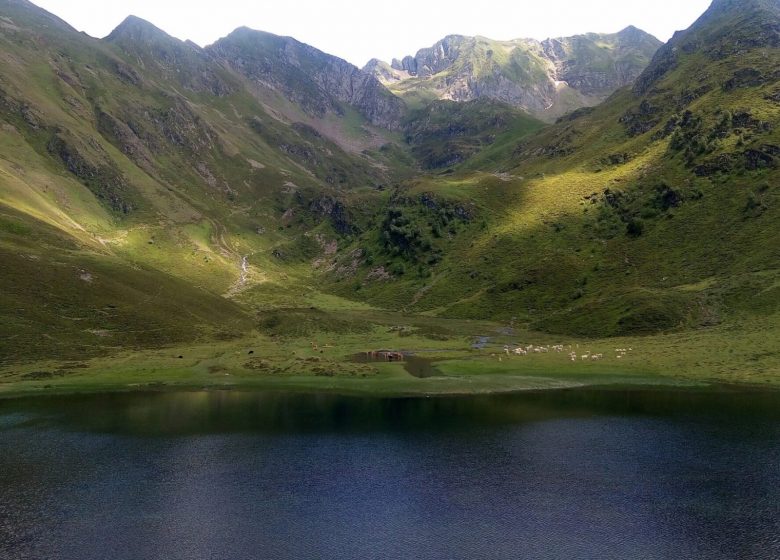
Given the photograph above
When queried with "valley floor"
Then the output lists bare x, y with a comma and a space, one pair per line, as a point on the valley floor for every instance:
313, 350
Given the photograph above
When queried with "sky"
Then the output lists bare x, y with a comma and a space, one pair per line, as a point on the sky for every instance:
358, 30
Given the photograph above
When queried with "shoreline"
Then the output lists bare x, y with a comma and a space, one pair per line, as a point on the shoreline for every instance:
669, 383
326, 365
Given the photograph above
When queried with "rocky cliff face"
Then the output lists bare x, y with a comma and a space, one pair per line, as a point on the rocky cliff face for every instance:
546, 78
319, 82
597, 65
435, 59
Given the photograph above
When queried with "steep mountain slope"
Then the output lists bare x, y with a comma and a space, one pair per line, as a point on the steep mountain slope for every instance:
447, 133
141, 156
318, 82
547, 78
655, 211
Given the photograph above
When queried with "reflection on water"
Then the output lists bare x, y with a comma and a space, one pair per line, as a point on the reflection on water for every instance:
186, 413
562, 474
421, 367
416, 366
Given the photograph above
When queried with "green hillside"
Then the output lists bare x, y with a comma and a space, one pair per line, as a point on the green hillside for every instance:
143, 153
655, 211
447, 133
255, 213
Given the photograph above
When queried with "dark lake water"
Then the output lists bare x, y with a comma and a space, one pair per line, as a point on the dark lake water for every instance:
576, 474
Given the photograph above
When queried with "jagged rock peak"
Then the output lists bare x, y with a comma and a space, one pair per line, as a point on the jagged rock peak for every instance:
632, 33
243, 31
255, 37
383, 71
254, 42
373, 63
134, 28
433, 59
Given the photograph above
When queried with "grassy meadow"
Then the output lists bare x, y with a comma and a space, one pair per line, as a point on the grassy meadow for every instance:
311, 349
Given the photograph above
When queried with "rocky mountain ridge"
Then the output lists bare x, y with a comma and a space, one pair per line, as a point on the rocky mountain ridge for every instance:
318, 81
546, 78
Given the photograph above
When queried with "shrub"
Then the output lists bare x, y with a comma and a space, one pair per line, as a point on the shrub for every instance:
635, 227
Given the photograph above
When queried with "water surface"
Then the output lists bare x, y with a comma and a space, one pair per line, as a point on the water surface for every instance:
561, 474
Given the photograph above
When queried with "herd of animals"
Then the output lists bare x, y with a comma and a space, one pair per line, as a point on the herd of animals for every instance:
571, 350
620, 353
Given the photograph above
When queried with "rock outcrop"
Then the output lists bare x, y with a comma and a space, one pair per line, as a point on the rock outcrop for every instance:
547, 78
384, 72
597, 65
436, 59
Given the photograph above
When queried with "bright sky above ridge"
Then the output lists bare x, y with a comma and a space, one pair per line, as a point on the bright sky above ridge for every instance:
358, 30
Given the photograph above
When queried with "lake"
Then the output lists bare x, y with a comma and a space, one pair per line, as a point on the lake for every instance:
571, 474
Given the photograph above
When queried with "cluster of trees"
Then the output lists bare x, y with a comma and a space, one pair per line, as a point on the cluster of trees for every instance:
411, 235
